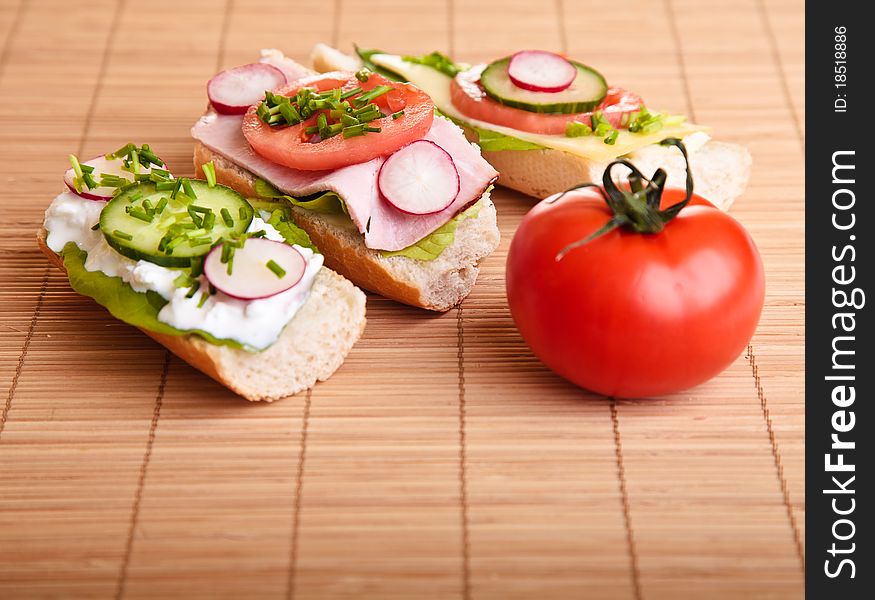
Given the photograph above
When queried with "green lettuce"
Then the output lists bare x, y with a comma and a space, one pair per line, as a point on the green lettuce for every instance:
326, 202
432, 245
141, 309
122, 301
492, 141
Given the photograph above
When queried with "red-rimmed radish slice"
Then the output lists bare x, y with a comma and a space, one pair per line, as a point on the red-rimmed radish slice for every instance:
419, 179
233, 91
102, 166
251, 276
540, 71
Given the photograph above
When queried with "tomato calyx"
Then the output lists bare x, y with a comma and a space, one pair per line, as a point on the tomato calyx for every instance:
635, 208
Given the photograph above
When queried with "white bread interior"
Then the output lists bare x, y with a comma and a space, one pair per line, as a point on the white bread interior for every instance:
720, 170
311, 347
437, 284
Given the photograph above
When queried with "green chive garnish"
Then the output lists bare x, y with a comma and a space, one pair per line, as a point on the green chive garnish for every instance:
193, 289
162, 204
612, 137
139, 214
95, 227
351, 93
363, 75
209, 170
226, 217
189, 191
277, 270
122, 235
397, 115
204, 297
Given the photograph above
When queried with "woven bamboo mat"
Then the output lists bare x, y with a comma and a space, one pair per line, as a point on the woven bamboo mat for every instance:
442, 460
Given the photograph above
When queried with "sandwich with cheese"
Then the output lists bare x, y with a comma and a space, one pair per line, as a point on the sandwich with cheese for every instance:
548, 123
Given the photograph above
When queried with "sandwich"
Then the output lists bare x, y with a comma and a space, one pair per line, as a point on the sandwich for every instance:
230, 285
547, 122
395, 197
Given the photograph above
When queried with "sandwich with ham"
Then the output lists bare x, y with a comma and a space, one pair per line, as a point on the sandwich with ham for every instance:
394, 195
548, 122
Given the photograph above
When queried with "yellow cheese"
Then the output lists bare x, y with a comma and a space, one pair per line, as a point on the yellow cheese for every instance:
437, 85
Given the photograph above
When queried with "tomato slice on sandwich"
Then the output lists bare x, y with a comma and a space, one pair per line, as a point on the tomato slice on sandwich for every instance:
330, 137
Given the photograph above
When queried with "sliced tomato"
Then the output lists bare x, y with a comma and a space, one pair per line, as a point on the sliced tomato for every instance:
289, 146
469, 98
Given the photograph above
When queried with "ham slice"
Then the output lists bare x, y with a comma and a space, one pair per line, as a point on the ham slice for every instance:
384, 227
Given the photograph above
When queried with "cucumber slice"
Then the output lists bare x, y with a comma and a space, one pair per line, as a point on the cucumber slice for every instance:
134, 226
584, 94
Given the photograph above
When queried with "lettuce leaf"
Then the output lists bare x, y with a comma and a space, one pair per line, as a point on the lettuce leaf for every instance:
432, 245
327, 202
134, 308
365, 55
492, 141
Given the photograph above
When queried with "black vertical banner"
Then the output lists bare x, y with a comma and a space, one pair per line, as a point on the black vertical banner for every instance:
839, 262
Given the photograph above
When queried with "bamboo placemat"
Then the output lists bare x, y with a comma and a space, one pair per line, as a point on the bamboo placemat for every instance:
442, 460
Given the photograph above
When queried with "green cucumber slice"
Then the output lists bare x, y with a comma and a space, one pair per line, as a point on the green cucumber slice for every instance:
133, 226
584, 94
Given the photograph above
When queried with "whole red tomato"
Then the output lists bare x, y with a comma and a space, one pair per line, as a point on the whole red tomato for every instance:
632, 314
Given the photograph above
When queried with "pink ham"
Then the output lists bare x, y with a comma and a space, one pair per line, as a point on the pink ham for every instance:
385, 227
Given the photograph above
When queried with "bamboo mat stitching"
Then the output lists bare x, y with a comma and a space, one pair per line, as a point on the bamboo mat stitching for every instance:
460, 355
299, 486
776, 454
463, 459
776, 57
679, 54
86, 127
24, 349
12, 34
141, 480
624, 495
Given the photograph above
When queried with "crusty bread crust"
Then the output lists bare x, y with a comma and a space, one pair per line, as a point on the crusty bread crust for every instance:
312, 346
436, 285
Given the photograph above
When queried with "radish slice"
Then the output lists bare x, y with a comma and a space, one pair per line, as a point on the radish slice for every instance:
419, 179
251, 278
232, 92
540, 71
102, 166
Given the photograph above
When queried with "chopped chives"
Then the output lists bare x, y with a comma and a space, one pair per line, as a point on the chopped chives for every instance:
77, 169
348, 120
209, 170
135, 161
95, 227
354, 131
277, 270
577, 129
209, 221
350, 93
177, 185
141, 215
163, 186
197, 266
182, 281
373, 129
204, 297
196, 218
226, 217
186, 185
199, 241
362, 75
162, 204
612, 137
200, 209
193, 289
397, 115
122, 235
148, 206
173, 243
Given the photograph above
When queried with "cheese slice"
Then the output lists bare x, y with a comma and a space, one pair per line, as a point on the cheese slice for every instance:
437, 85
